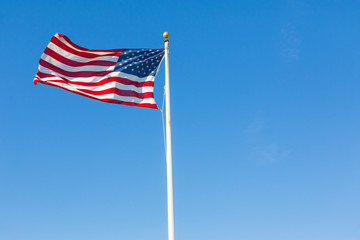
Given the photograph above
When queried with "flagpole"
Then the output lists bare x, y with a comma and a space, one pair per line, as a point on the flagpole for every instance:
169, 171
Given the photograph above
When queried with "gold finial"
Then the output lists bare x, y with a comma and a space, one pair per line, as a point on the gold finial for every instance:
166, 35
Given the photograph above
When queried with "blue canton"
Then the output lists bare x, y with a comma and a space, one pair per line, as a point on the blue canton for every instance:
140, 62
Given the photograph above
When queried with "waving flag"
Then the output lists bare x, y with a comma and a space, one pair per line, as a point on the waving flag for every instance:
122, 76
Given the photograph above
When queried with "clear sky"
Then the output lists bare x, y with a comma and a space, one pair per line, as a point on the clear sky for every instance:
265, 121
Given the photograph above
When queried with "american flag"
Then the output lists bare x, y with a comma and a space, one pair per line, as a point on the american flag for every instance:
122, 76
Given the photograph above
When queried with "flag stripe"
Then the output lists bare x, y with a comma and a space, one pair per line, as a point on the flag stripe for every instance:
119, 92
74, 63
103, 87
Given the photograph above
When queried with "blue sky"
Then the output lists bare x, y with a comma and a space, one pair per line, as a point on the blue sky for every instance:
265, 120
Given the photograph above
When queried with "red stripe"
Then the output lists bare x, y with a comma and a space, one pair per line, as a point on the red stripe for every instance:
115, 79
63, 46
73, 63
124, 93
102, 82
147, 105
72, 74
85, 49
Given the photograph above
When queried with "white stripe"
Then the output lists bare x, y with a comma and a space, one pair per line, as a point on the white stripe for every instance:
48, 78
106, 86
68, 68
45, 70
77, 58
79, 50
115, 85
106, 96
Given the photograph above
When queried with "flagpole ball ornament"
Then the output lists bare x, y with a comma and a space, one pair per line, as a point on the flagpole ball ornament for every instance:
166, 35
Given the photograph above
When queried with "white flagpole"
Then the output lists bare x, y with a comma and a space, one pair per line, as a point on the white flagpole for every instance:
170, 191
